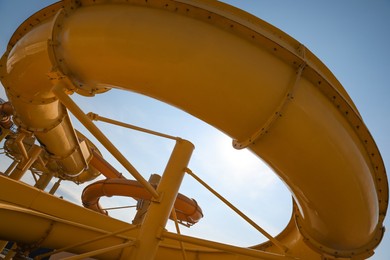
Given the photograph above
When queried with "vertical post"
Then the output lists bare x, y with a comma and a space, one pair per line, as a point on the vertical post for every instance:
157, 216
44, 180
55, 187
183, 251
154, 179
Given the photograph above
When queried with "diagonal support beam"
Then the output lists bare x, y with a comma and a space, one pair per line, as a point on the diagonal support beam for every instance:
239, 212
59, 91
96, 117
100, 251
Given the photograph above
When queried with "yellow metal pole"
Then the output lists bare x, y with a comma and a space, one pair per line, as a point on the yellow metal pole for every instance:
139, 217
44, 180
226, 248
11, 168
24, 165
240, 213
178, 232
96, 117
19, 141
157, 216
58, 90
55, 187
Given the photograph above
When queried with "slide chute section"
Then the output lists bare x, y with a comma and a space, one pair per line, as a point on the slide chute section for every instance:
187, 210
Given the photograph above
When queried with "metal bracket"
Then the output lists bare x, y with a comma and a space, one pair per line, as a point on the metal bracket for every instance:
289, 96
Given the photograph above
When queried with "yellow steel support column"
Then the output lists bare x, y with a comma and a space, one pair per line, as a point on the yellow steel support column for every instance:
55, 187
157, 216
24, 165
11, 168
44, 180
154, 179
19, 141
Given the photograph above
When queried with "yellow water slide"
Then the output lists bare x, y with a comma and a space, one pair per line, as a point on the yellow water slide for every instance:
232, 70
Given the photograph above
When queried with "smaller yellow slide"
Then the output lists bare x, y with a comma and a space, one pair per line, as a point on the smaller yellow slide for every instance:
187, 210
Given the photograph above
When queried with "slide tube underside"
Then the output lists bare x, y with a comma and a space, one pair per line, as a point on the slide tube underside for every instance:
265, 90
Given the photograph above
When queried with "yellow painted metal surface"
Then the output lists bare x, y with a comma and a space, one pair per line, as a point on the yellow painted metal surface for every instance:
265, 90
188, 209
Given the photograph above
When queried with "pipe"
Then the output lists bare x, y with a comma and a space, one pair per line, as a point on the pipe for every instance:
31, 104
99, 163
317, 143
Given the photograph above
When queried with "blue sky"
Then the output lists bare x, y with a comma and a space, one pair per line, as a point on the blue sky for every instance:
351, 37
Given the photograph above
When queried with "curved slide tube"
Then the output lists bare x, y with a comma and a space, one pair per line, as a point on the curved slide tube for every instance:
187, 209
265, 90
